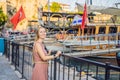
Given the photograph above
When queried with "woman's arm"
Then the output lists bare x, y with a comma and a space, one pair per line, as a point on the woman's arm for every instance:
49, 52
42, 54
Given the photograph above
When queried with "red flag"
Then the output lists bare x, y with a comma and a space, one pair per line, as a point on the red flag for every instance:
84, 17
20, 15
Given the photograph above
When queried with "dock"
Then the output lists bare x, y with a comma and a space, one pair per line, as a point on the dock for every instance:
93, 52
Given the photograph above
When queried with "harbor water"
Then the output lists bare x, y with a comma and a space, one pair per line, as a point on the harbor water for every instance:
92, 68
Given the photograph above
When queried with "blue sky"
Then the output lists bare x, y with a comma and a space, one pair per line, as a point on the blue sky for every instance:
108, 3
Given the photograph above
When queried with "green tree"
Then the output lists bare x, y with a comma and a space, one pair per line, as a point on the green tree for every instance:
55, 7
3, 18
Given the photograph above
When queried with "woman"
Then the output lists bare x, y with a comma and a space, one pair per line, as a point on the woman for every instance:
41, 57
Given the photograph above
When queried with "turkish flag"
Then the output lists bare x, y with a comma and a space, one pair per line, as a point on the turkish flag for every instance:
20, 15
84, 17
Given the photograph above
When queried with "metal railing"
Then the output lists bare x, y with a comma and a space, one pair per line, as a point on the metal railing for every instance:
93, 42
63, 68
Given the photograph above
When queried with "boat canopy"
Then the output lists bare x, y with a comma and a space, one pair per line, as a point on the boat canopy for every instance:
100, 9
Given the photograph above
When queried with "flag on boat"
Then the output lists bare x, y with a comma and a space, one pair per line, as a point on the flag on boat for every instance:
19, 16
77, 20
84, 17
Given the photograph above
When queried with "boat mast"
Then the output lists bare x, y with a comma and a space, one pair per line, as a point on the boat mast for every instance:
89, 2
117, 4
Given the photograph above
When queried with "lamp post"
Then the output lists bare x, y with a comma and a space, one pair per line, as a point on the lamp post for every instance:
48, 5
40, 10
48, 14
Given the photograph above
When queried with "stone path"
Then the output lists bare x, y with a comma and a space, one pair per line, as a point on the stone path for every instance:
7, 72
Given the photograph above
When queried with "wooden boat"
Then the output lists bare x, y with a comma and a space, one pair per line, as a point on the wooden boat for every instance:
95, 35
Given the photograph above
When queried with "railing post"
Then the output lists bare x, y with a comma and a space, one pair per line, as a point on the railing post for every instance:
118, 58
55, 68
51, 70
23, 61
63, 67
12, 60
5, 47
18, 55
107, 71
9, 51
15, 55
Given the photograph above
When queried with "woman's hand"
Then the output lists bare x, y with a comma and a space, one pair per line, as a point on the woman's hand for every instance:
58, 54
49, 52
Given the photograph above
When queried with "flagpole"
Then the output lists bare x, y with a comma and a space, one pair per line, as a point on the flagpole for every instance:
83, 19
78, 31
40, 11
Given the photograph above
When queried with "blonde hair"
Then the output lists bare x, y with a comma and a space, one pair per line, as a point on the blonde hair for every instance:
37, 32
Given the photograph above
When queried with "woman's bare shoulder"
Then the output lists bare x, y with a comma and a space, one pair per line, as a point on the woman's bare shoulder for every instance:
36, 44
